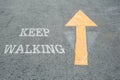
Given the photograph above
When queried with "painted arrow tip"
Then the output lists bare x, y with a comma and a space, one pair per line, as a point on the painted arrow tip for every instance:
80, 19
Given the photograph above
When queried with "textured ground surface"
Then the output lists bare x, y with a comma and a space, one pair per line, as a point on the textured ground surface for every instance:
103, 41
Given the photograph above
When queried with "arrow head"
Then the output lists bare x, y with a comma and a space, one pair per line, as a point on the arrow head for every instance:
80, 19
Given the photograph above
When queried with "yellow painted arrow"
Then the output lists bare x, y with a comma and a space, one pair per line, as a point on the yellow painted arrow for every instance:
80, 20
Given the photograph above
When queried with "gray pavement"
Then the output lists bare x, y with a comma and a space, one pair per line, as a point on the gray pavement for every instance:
103, 41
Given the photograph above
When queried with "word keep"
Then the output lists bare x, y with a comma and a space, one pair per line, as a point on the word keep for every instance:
32, 32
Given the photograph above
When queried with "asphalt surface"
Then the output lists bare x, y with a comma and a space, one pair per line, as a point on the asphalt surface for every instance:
103, 41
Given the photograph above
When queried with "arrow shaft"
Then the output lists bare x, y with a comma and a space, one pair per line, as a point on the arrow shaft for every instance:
81, 55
